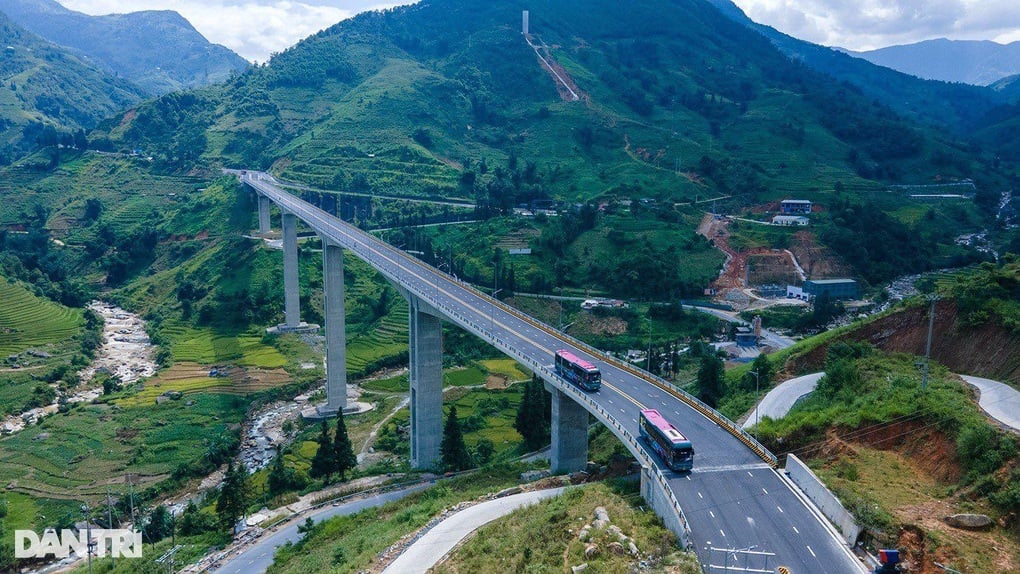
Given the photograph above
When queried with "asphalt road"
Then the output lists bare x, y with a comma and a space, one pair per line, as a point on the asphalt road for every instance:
772, 339
781, 399
731, 499
443, 537
999, 400
256, 558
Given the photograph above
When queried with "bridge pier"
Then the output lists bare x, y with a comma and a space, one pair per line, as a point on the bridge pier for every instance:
426, 375
569, 450
336, 340
265, 224
291, 294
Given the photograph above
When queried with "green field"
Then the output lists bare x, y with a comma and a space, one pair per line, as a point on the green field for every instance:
31, 322
210, 347
74, 455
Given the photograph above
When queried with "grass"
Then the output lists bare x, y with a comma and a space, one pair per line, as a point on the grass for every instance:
353, 543
31, 322
542, 537
211, 347
73, 455
508, 367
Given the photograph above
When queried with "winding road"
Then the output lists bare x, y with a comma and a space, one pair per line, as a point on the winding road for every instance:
998, 400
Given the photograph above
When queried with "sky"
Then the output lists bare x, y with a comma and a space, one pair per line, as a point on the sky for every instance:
852, 24
869, 24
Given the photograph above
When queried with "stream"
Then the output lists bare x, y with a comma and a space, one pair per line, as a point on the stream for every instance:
126, 353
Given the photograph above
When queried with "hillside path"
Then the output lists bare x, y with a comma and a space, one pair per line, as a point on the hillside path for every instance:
441, 539
999, 400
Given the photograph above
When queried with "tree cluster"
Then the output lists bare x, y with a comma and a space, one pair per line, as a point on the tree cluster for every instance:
334, 455
534, 415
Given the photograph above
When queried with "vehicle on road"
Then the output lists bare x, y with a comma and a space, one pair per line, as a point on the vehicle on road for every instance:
578, 372
670, 444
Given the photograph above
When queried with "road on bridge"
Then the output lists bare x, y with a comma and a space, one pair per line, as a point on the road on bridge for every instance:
732, 500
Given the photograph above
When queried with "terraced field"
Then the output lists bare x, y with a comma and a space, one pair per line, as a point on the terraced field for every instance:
389, 339
77, 454
209, 347
30, 322
191, 378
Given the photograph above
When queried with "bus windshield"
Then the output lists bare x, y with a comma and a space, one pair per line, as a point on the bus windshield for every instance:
669, 443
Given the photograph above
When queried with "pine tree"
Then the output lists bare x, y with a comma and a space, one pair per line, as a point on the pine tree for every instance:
233, 496
343, 454
453, 450
710, 379
280, 477
532, 419
322, 463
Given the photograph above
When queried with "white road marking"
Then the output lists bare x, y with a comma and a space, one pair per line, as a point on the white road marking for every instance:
723, 533
811, 551
699, 496
795, 530
765, 491
749, 474
780, 509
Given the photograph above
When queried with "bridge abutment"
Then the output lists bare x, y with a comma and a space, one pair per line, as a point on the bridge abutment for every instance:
426, 375
569, 450
336, 339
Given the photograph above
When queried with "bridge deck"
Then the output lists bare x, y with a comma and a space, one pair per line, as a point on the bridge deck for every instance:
731, 499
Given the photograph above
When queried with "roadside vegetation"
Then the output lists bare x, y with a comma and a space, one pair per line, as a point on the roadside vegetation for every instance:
544, 537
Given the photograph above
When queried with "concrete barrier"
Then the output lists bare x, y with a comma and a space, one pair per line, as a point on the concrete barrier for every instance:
823, 498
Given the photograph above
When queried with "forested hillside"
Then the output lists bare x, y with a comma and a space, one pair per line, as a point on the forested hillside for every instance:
47, 94
676, 101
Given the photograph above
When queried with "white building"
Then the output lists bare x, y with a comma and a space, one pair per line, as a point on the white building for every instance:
798, 220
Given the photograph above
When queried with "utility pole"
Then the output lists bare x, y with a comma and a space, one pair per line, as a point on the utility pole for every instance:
927, 349
648, 365
88, 533
109, 524
757, 400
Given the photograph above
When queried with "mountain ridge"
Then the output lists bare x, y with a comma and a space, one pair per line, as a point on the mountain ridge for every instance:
158, 50
682, 101
975, 62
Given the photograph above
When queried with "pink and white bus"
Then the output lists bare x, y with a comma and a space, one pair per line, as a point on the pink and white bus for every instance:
670, 444
577, 371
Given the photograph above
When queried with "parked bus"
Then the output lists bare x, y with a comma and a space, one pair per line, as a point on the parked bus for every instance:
670, 444
577, 371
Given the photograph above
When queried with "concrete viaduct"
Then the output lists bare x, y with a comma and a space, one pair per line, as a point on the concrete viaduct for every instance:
735, 510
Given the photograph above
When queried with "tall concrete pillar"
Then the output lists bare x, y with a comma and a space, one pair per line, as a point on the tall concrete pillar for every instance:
569, 450
265, 224
291, 296
336, 341
426, 374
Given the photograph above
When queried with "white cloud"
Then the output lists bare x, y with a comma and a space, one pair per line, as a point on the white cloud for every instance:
868, 24
253, 28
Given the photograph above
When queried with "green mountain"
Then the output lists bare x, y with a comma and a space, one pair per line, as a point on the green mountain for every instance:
45, 90
159, 51
675, 101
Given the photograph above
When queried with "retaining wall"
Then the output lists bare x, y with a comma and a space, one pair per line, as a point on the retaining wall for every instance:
823, 498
